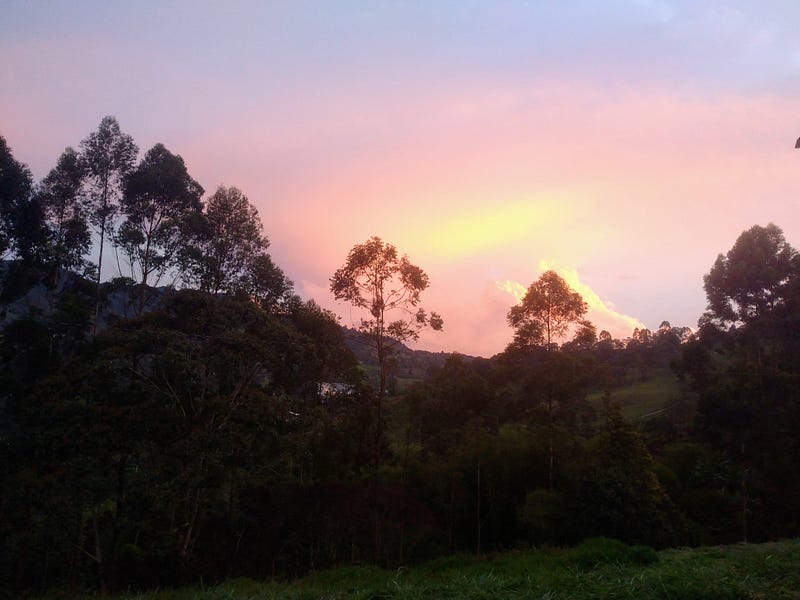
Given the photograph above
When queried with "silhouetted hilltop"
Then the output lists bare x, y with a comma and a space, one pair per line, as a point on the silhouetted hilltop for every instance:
407, 363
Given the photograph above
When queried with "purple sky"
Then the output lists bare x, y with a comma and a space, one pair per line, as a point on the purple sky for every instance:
623, 143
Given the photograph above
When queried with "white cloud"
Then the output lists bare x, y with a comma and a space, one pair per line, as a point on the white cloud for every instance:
601, 312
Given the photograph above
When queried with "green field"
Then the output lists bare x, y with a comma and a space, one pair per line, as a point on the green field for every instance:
597, 569
643, 399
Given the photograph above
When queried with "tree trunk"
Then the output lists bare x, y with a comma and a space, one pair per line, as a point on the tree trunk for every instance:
478, 510
99, 273
119, 506
550, 440
745, 472
98, 553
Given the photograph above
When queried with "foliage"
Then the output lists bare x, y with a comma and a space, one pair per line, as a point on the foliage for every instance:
744, 367
751, 279
709, 573
159, 198
594, 552
228, 252
19, 213
60, 194
546, 311
374, 278
107, 156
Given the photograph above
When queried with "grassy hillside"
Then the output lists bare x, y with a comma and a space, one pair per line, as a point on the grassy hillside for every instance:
643, 399
598, 568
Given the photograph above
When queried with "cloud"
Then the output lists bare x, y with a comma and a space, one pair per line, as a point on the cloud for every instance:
601, 312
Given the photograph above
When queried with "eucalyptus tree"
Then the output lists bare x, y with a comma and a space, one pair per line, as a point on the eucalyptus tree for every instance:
545, 313
376, 279
228, 252
159, 198
60, 194
16, 185
108, 156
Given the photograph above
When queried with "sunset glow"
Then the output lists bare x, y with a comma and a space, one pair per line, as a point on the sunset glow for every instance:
625, 142
483, 229
600, 312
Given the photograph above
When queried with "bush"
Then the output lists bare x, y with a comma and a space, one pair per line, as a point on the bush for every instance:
594, 552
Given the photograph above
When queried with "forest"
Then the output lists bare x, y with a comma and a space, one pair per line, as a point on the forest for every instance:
171, 411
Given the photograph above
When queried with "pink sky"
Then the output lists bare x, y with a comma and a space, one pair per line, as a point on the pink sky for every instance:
624, 146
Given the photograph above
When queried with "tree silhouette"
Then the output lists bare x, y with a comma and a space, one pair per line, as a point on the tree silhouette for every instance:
159, 198
545, 312
544, 315
376, 279
16, 184
228, 252
108, 156
65, 212
750, 280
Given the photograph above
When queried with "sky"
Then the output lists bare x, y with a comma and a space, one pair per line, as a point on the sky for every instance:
622, 143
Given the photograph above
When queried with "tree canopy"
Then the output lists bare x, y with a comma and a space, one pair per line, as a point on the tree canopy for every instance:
374, 277
546, 311
752, 278
158, 201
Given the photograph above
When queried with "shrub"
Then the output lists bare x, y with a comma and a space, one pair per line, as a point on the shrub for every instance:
594, 552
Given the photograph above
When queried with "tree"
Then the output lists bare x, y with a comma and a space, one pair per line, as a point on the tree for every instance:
229, 252
618, 493
544, 315
108, 156
744, 365
546, 312
65, 212
16, 184
751, 279
376, 279
159, 198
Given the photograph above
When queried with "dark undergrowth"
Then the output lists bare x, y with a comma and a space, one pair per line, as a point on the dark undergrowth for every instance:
598, 568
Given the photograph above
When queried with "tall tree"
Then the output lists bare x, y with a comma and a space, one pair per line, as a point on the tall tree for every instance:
546, 311
376, 279
745, 367
16, 184
159, 199
65, 212
751, 279
229, 252
108, 156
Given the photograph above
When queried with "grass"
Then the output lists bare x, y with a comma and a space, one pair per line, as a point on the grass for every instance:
642, 399
599, 568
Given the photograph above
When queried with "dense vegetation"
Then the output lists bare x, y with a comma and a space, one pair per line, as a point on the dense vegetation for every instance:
597, 568
193, 419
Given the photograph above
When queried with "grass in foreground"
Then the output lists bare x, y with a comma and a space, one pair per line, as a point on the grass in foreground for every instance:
598, 568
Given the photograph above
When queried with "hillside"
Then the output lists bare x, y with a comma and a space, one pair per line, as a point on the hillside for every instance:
407, 365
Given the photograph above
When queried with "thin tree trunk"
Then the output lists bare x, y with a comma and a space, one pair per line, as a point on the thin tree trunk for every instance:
478, 510
98, 553
99, 274
550, 440
744, 505
120, 501
379, 408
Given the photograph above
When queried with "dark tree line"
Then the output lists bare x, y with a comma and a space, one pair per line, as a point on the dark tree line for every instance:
194, 418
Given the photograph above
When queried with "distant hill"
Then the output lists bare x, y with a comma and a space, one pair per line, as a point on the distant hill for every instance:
24, 293
406, 364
